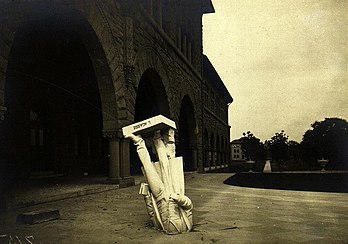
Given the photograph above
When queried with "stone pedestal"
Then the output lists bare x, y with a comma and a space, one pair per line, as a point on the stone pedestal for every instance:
250, 164
267, 168
323, 162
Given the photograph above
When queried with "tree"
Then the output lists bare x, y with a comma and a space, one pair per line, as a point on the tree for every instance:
295, 161
252, 147
278, 146
327, 139
294, 150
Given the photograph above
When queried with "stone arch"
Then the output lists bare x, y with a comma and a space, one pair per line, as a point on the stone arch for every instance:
212, 149
187, 146
222, 150
227, 148
218, 149
148, 58
187, 89
206, 148
151, 100
67, 18
96, 38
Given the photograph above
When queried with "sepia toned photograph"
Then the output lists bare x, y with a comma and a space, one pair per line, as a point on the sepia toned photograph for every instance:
173, 121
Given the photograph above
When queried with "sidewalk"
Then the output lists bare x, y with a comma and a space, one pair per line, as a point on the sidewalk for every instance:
52, 189
222, 214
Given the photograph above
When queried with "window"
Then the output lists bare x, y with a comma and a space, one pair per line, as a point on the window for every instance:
33, 116
41, 137
32, 137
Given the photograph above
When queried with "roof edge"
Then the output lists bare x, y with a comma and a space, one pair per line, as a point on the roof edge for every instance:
212, 75
208, 7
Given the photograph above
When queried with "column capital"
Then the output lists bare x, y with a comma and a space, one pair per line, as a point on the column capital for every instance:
126, 140
2, 113
115, 134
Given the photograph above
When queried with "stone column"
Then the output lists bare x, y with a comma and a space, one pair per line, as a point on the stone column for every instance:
206, 159
194, 158
2, 113
211, 159
119, 160
114, 156
127, 180
3, 163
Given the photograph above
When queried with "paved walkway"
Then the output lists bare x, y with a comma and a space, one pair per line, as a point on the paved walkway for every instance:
52, 189
222, 214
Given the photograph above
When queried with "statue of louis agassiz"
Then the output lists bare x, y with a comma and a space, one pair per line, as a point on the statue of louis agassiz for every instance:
168, 207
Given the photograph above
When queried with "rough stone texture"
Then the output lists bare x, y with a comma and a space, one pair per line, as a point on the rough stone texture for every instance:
124, 41
216, 129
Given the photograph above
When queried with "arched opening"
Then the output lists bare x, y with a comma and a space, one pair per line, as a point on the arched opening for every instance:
151, 100
218, 159
187, 147
212, 150
227, 153
54, 120
206, 149
223, 151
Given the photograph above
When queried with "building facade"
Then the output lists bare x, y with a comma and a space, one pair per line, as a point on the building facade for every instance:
216, 135
237, 153
73, 73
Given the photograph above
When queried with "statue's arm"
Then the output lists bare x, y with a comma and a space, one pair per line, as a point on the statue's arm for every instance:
154, 180
183, 201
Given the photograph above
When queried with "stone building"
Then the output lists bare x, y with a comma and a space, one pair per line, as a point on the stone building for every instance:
237, 153
73, 73
216, 100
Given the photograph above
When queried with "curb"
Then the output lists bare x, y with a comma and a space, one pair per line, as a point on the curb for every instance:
13, 205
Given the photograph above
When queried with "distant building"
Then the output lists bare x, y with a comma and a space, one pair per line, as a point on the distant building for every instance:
236, 150
216, 100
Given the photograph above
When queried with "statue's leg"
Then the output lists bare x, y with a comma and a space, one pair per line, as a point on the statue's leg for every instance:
169, 141
161, 152
154, 180
150, 210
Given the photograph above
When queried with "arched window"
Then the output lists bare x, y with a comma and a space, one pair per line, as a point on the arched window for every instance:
212, 149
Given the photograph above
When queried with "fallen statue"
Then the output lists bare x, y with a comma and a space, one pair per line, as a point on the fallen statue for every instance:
164, 193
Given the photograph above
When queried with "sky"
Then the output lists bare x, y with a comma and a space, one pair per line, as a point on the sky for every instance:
285, 63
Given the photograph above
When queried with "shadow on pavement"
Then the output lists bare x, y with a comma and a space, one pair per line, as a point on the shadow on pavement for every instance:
318, 182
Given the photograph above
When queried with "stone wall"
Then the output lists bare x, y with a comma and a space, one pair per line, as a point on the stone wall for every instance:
123, 42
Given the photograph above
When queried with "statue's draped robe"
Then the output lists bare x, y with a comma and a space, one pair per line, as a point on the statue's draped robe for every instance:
172, 216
